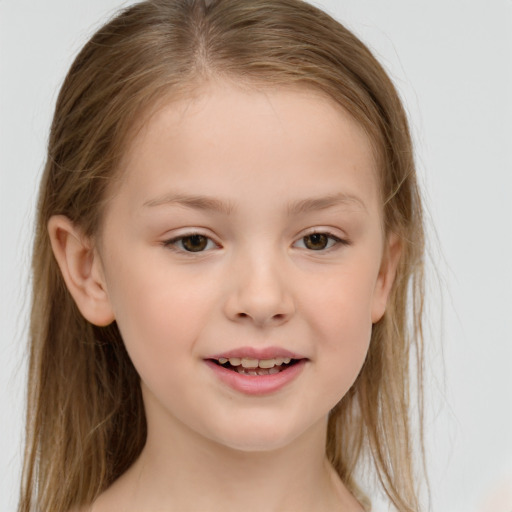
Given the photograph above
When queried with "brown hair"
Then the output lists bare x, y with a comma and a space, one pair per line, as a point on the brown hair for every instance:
85, 420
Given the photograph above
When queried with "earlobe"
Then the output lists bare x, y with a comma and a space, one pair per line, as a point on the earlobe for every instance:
386, 277
81, 269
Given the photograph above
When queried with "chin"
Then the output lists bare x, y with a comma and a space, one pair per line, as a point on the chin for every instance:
256, 444
257, 437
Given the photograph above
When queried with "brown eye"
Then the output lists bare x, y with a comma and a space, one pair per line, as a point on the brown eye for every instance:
194, 243
316, 241
320, 241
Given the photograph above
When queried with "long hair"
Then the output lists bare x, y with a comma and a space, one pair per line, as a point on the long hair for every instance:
85, 417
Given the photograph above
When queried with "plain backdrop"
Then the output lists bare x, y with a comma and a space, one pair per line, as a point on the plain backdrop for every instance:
452, 63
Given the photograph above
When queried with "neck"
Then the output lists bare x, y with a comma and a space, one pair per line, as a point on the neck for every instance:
220, 478
181, 470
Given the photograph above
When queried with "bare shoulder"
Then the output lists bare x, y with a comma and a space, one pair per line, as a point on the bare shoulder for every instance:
85, 508
107, 501
99, 505
119, 496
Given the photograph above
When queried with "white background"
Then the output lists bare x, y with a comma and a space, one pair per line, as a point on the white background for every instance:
452, 62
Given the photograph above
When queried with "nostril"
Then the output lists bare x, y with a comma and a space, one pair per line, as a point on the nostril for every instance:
277, 317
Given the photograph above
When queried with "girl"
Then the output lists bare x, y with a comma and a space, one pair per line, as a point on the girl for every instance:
227, 269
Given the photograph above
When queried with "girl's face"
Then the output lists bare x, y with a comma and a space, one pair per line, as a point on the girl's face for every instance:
246, 230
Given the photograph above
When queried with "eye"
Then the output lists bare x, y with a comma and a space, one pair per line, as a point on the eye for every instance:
193, 242
321, 241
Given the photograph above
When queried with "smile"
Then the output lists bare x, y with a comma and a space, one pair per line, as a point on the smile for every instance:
257, 372
256, 367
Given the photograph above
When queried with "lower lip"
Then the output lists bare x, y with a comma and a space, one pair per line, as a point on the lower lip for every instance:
257, 384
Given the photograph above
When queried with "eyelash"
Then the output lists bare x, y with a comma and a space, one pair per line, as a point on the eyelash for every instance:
171, 243
328, 234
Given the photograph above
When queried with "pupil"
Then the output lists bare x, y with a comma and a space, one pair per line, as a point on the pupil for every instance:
195, 243
319, 241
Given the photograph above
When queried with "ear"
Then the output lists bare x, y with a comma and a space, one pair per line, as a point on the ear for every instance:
386, 277
82, 270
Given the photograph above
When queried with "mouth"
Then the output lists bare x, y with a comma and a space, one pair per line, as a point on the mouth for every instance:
256, 367
257, 372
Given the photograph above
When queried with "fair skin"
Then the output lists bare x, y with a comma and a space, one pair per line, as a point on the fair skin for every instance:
252, 279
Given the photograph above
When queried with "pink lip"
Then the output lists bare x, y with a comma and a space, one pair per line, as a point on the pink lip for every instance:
257, 385
258, 353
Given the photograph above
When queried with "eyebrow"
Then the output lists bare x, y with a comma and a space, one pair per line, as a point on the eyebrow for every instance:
323, 203
193, 201
299, 207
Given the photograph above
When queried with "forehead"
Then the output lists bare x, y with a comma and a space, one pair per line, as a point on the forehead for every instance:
284, 137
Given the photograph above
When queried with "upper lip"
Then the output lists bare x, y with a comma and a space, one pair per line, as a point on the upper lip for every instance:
257, 353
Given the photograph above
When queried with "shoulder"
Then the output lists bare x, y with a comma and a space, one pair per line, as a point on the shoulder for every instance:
85, 508
101, 504
116, 497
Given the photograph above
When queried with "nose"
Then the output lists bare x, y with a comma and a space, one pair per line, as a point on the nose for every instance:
260, 291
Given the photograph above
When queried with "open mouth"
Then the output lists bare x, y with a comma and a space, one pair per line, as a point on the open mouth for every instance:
256, 367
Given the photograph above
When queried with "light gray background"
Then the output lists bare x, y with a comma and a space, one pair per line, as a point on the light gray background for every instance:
452, 62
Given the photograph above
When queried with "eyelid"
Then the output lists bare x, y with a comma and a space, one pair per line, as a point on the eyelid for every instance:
339, 241
170, 243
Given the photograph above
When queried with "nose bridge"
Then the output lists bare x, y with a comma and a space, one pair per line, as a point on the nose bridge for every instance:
259, 285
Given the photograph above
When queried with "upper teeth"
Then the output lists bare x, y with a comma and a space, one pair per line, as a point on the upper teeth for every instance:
247, 362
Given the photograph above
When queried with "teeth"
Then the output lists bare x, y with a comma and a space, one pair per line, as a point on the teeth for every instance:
257, 371
247, 362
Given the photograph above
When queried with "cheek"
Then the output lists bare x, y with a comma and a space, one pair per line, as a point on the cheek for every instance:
160, 317
340, 313
343, 300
